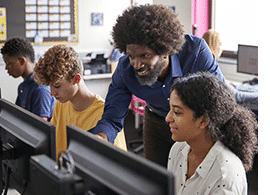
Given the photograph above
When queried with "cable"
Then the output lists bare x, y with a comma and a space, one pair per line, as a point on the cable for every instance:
25, 186
70, 164
8, 173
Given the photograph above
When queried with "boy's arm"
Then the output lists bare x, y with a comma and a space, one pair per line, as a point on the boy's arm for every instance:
42, 102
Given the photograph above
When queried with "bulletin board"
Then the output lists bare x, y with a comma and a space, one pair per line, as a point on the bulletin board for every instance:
55, 20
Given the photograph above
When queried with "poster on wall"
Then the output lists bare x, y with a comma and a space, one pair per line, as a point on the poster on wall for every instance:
48, 18
56, 21
97, 19
3, 24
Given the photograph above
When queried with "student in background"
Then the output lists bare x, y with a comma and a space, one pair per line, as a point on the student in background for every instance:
19, 57
242, 93
61, 68
212, 38
157, 52
216, 138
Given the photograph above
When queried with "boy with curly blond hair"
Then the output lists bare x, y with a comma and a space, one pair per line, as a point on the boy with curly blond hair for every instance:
62, 69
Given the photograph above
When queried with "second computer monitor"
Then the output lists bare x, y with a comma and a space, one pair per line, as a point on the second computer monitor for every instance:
106, 169
247, 59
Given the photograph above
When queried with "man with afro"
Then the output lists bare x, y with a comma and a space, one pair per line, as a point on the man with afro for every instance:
157, 52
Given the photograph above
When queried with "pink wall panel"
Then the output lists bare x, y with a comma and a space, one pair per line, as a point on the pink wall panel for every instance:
200, 16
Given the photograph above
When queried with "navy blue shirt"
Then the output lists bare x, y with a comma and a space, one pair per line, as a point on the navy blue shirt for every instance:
194, 56
35, 98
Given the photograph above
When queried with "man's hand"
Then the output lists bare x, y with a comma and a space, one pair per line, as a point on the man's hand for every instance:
44, 118
102, 136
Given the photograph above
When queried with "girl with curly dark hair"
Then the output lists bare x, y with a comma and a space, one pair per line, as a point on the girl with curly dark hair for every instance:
216, 138
157, 51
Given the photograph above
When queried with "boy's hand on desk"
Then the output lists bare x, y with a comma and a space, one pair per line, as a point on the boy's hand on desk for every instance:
102, 136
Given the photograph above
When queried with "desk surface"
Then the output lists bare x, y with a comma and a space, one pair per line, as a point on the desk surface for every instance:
97, 76
253, 105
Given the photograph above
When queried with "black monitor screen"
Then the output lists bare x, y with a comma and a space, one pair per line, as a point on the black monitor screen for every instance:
23, 134
106, 169
247, 60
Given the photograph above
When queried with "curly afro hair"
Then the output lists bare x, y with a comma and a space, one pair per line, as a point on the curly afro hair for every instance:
58, 62
154, 26
17, 47
232, 124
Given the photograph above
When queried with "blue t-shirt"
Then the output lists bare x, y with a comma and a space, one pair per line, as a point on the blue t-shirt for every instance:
194, 56
35, 98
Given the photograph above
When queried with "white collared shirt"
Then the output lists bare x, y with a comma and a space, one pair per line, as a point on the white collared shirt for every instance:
221, 171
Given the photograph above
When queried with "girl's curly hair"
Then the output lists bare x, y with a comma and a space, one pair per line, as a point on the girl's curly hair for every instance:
155, 26
232, 124
58, 62
16, 47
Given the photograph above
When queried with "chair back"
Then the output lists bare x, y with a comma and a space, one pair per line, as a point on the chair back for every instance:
140, 109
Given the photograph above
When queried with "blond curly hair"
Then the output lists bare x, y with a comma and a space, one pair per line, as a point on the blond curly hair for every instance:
58, 62
212, 38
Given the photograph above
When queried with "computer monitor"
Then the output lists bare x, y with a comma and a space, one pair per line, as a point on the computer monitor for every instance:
106, 169
23, 134
247, 59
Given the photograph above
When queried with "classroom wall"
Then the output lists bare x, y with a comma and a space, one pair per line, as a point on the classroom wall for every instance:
90, 37
94, 37
8, 84
97, 37
183, 9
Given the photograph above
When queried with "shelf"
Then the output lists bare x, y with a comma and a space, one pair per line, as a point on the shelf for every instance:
97, 76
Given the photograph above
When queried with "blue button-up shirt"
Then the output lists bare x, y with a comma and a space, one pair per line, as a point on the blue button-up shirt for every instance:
35, 98
194, 56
